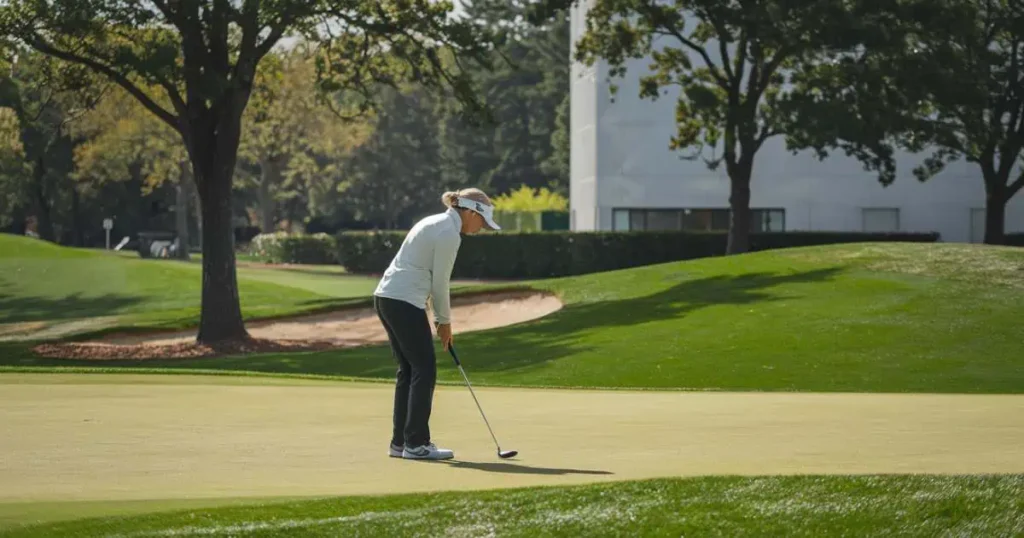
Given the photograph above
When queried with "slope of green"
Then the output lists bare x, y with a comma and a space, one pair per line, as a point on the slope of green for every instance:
40, 281
770, 506
865, 317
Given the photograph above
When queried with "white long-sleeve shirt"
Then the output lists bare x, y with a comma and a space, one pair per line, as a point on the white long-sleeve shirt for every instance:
423, 265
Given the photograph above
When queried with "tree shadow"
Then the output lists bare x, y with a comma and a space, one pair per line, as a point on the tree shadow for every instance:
550, 338
515, 468
15, 309
565, 333
561, 334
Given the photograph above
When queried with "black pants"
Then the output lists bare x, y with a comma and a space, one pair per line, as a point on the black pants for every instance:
412, 344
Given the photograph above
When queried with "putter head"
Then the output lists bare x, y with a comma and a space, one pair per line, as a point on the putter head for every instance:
505, 454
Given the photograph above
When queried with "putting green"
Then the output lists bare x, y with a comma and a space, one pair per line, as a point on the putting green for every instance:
97, 437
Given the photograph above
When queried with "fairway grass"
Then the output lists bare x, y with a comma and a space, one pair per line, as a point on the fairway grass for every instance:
862, 318
279, 445
42, 284
20, 514
811, 506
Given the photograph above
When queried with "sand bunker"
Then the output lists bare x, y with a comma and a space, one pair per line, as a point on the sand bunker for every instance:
347, 328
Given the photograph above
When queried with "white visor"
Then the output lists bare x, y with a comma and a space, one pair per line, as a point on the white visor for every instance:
486, 211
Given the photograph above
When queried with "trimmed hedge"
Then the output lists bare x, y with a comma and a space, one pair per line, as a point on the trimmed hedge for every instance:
281, 247
1014, 240
552, 254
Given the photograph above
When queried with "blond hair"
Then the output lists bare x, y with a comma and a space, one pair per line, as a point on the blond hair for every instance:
451, 198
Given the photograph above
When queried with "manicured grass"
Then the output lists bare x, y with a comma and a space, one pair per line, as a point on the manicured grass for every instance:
19, 514
771, 506
40, 281
890, 317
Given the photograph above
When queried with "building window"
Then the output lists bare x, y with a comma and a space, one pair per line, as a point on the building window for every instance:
703, 219
978, 225
664, 220
769, 220
637, 220
620, 220
880, 219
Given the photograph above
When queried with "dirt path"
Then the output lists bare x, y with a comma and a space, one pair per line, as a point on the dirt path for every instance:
97, 437
361, 326
346, 328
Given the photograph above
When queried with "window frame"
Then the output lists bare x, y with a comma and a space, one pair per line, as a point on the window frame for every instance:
642, 213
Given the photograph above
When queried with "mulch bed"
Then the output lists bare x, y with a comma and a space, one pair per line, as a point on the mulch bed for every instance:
185, 350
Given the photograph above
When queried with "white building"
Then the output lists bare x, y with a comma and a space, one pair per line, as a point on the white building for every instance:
624, 177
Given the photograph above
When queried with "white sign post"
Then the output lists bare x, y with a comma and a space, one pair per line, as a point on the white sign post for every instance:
108, 224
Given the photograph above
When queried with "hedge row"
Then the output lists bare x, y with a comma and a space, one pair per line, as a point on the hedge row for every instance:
1014, 240
552, 254
282, 247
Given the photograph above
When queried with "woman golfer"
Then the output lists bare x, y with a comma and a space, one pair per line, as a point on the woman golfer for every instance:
422, 268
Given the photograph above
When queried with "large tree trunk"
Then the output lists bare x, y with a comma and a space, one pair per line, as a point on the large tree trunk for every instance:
181, 210
213, 151
44, 218
739, 205
221, 315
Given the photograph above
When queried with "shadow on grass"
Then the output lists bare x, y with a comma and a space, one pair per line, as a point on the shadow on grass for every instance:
14, 309
564, 333
515, 468
567, 332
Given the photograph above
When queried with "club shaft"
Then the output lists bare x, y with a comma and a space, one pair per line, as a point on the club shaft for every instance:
468, 384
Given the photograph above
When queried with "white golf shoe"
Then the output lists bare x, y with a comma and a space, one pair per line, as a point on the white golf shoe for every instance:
395, 451
427, 452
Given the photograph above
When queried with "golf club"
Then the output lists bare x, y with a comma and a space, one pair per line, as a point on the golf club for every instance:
501, 454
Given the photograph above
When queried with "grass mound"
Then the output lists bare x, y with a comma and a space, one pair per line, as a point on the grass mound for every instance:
790, 506
861, 317
42, 283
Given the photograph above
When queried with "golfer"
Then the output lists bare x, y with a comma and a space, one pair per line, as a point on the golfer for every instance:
422, 268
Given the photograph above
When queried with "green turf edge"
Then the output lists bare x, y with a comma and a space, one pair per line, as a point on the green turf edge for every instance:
181, 372
99, 370
25, 514
184, 372
358, 504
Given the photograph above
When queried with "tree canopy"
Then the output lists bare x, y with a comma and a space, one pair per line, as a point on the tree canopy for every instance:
203, 56
951, 85
728, 60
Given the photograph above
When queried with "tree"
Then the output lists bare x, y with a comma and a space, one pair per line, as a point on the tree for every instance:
556, 165
316, 174
529, 81
951, 81
729, 59
394, 176
526, 91
531, 200
45, 98
204, 55
13, 171
281, 122
467, 153
122, 140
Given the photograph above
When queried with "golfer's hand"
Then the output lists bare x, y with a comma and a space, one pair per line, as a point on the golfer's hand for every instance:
444, 332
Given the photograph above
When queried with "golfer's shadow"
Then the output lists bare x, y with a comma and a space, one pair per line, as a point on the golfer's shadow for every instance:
514, 468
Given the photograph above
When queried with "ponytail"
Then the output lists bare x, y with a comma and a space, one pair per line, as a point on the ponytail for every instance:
450, 199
